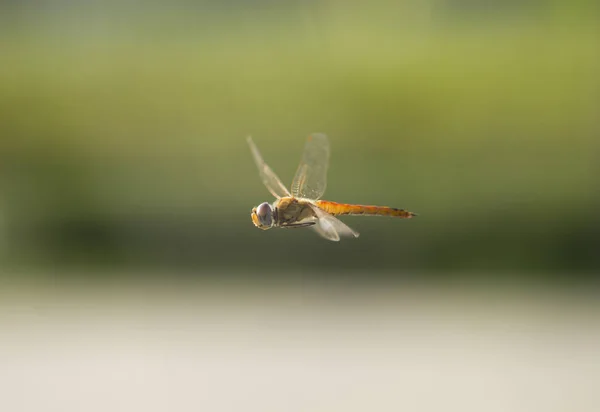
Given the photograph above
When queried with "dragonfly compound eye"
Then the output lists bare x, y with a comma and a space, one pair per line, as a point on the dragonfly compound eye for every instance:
265, 214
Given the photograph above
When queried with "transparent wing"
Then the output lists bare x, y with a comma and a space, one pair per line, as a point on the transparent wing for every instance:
268, 176
330, 227
310, 180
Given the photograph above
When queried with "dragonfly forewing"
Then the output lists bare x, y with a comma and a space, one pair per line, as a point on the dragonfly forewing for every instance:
310, 180
268, 176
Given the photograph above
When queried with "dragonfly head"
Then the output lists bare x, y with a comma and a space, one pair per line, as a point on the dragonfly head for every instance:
262, 216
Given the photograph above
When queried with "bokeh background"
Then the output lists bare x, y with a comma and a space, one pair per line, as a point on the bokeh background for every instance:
126, 247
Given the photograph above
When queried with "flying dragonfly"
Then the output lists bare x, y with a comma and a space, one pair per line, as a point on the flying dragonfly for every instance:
302, 205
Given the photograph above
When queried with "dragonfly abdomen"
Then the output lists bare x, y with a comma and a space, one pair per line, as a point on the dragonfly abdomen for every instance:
337, 209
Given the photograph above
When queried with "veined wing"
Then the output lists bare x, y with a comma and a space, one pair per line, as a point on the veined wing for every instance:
268, 176
330, 227
310, 180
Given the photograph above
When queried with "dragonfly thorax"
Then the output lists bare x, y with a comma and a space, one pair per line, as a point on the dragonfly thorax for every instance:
263, 216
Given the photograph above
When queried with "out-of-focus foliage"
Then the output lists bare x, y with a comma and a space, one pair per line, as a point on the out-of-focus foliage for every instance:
122, 132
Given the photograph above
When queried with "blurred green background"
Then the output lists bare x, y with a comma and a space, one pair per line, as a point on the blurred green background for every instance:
123, 125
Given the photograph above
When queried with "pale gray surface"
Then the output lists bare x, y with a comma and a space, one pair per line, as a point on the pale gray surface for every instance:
296, 348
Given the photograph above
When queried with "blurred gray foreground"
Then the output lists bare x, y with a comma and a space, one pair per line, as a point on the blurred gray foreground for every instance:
298, 346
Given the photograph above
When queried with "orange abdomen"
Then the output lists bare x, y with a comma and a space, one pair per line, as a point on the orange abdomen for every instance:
337, 209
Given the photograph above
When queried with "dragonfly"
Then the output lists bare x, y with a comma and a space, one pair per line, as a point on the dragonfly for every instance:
301, 206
